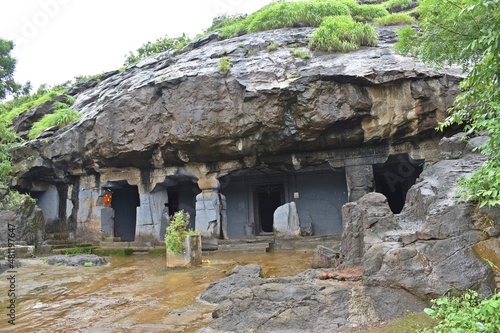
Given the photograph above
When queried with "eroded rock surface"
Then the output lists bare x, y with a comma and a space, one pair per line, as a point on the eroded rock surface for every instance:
173, 109
76, 260
428, 249
304, 303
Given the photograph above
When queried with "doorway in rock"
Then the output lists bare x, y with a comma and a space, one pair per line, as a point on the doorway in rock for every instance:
267, 198
395, 177
125, 202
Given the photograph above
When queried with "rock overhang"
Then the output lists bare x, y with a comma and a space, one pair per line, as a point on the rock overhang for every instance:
173, 109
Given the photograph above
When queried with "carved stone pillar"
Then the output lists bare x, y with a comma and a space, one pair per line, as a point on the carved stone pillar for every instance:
360, 179
210, 219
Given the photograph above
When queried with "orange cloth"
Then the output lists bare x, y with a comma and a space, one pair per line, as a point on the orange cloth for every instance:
107, 199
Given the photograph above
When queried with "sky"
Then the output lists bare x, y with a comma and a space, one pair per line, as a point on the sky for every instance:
56, 40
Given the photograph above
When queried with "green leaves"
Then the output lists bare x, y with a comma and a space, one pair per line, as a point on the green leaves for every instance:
467, 313
177, 231
7, 67
466, 33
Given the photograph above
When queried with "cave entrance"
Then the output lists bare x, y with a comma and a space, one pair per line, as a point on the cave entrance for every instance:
125, 202
395, 177
268, 199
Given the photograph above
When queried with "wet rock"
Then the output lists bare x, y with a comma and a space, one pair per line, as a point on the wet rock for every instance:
309, 305
239, 278
286, 221
75, 260
325, 257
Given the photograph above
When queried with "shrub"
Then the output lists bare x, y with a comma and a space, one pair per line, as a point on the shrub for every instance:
343, 34
395, 19
367, 12
88, 264
224, 65
59, 118
303, 54
397, 5
467, 313
177, 231
162, 44
272, 47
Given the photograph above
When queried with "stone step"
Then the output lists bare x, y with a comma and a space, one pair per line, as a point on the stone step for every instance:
255, 247
70, 245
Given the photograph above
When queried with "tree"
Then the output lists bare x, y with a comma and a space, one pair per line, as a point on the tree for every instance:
7, 67
466, 33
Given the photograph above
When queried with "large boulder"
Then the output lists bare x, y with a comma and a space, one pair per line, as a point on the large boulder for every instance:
286, 221
432, 250
22, 221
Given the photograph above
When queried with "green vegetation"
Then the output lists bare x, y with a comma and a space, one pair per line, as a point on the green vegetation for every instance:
299, 53
60, 118
11, 109
7, 66
112, 252
363, 13
177, 232
272, 47
397, 5
343, 34
224, 65
162, 44
78, 250
395, 19
88, 264
467, 313
466, 33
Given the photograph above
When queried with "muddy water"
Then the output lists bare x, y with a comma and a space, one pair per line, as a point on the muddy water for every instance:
130, 294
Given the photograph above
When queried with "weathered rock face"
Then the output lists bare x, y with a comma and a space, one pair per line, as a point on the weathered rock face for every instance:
428, 249
306, 304
23, 224
172, 110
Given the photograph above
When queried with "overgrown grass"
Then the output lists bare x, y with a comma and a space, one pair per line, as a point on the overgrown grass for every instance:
12, 110
365, 13
59, 118
397, 5
395, 19
272, 47
343, 34
299, 53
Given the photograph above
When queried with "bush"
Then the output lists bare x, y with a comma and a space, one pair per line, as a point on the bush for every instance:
59, 118
272, 47
162, 44
398, 5
467, 313
395, 19
365, 13
303, 54
343, 34
177, 231
224, 65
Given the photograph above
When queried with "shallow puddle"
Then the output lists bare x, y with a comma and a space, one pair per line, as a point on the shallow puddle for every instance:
130, 294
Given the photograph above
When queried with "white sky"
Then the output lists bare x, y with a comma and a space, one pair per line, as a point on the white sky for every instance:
57, 40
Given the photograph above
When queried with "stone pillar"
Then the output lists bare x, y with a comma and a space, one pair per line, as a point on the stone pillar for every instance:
210, 212
360, 179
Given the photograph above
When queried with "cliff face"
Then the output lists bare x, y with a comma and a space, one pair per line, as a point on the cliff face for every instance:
173, 110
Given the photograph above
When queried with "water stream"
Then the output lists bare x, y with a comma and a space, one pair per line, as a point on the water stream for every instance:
130, 294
